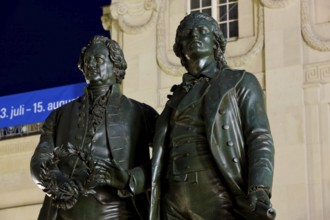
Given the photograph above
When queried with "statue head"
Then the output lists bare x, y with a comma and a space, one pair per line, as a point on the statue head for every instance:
193, 20
102, 61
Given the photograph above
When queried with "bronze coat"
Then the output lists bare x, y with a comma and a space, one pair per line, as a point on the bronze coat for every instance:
129, 128
237, 131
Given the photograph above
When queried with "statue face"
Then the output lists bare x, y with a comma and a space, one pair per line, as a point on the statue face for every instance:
98, 66
197, 39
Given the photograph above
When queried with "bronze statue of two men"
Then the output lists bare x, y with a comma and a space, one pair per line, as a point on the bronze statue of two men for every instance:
212, 150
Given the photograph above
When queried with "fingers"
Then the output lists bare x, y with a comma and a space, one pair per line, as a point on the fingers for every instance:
258, 196
104, 163
110, 173
103, 174
105, 168
253, 201
262, 196
103, 179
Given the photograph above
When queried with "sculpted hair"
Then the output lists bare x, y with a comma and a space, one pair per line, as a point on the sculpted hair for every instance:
115, 55
219, 40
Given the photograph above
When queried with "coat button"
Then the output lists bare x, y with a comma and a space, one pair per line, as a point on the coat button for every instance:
222, 111
230, 143
225, 127
235, 160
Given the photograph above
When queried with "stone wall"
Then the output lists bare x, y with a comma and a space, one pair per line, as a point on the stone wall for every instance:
20, 197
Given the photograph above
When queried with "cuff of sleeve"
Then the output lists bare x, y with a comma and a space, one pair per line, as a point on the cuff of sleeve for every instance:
260, 187
137, 183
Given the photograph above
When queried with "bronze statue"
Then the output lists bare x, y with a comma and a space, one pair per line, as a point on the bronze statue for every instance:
93, 155
213, 151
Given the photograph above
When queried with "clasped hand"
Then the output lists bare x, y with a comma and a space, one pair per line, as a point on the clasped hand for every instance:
259, 195
111, 173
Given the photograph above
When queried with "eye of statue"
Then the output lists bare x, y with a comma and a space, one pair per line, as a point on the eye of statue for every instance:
203, 30
99, 60
86, 60
185, 32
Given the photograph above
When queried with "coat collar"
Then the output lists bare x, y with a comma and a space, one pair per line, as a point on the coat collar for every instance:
176, 98
114, 99
193, 96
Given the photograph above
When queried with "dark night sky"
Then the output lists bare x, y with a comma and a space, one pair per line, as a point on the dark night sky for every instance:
40, 42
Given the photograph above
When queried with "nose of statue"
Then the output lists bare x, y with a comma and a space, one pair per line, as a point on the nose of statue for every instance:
91, 62
194, 33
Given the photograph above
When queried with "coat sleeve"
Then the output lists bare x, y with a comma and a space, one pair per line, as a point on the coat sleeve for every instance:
158, 162
44, 149
140, 177
256, 131
150, 118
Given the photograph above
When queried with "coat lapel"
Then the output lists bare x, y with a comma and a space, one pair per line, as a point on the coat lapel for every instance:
220, 85
117, 132
163, 124
163, 120
193, 96
176, 98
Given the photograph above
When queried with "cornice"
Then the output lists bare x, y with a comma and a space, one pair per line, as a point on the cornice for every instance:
106, 18
133, 16
311, 38
275, 4
317, 73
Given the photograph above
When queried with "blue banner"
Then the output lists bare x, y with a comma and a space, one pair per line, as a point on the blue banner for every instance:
34, 107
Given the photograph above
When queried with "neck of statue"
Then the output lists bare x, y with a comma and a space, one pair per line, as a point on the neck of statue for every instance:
196, 67
98, 90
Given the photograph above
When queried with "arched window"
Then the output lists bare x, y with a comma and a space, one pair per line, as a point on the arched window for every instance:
224, 11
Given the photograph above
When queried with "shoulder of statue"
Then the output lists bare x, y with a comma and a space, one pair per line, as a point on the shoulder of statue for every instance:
233, 72
173, 89
249, 80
